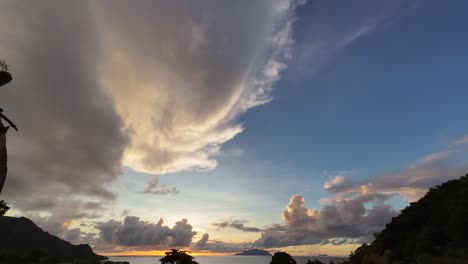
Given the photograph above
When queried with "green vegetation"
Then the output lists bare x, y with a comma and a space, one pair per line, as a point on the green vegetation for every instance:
177, 257
430, 231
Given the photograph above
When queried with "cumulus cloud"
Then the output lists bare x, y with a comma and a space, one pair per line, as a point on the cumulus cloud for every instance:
237, 224
160, 189
134, 232
343, 220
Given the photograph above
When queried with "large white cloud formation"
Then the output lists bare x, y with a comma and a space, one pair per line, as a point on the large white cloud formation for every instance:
180, 73
156, 85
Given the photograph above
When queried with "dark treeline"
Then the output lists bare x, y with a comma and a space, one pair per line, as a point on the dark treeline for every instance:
429, 231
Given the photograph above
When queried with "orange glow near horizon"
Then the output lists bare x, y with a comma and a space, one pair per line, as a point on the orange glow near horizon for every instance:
297, 251
159, 253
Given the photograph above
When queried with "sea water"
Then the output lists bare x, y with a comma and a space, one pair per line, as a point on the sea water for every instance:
227, 260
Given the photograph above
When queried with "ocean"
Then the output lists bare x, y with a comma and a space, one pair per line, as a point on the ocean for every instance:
226, 260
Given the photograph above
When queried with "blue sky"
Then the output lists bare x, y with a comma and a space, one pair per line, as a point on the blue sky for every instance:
377, 104
373, 93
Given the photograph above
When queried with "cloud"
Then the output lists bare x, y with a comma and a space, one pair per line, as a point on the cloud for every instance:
136, 233
155, 86
155, 188
342, 220
181, 83
343, 28
338, 183
58, 220
77, 236
461, 141
202, 242
224, 247
237, 224
441, 155
70, 142
411, 183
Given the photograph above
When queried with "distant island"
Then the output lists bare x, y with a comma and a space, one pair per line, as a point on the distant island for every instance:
254, 252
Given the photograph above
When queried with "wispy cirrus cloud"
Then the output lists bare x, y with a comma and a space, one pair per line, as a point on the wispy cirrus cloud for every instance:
461, 141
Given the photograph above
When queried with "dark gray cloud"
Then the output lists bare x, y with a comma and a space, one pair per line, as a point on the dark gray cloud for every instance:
134, 232
77, 236
70, 141
59, 218
237, 224
160, 189
202, 242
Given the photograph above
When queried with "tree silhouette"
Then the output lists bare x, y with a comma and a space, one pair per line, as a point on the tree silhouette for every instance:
317, 262
432, 230
5, 76
176, 256
3, 208
282, 258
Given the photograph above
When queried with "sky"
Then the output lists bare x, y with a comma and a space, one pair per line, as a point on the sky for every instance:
220, 126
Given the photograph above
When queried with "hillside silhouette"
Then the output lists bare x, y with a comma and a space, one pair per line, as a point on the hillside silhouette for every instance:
20, 237
431, 230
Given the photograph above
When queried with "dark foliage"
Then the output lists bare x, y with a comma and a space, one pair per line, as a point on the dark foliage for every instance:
20, 237
282, 258
3, 208
314, 262
177, 257
431, 230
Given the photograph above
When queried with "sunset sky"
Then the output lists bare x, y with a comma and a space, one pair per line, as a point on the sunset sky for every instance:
220, 126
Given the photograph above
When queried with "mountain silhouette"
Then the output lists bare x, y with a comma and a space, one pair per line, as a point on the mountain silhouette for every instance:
21, 237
